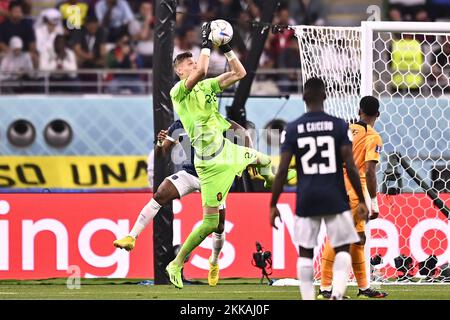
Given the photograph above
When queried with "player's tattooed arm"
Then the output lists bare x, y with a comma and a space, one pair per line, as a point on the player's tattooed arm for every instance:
371, 179
277, 186
164, 144
353, 175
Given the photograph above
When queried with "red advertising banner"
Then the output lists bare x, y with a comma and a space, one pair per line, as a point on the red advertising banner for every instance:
51, 235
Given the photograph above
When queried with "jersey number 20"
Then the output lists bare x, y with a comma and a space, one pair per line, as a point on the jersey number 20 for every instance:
327, 153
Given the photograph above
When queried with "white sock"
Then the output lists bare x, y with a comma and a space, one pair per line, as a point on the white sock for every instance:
305, 273
218, 241
147, 214
341, 272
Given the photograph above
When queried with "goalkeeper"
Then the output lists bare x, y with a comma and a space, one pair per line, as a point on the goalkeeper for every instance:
366, 152
217, 160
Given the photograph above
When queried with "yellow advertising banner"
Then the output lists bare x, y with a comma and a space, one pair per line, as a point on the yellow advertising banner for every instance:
73, 172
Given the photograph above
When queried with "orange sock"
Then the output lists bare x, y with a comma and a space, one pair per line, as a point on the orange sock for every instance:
326, 279
359, 265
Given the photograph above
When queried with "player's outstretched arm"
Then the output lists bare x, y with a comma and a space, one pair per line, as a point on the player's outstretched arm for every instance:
371, 180
203, 60
277, 186
163, 144
353, 175
237, 71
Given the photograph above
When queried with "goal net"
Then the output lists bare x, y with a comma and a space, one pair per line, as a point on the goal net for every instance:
407, 67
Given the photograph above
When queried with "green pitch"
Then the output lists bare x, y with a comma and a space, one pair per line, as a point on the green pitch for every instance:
230, 289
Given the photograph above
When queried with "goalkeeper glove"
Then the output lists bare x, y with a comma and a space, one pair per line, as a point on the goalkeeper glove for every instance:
206, 32
225, 48
228, 52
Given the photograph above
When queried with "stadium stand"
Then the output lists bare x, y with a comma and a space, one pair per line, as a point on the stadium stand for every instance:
94, 30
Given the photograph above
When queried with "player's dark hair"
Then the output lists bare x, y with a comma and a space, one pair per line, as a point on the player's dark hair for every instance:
314, 90
282, 7
91, 18
370, 106
181, 57
14, 4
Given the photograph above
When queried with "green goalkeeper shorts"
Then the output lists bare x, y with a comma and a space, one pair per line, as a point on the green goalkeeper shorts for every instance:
217, 173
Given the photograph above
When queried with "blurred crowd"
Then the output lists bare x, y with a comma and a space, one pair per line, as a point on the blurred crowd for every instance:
62, 37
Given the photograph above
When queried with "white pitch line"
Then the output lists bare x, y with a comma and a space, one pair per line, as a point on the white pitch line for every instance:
81, 292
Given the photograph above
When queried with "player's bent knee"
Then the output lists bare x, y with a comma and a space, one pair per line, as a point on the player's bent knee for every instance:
210, 227
163, 197
160, 198
210, 223
166, 192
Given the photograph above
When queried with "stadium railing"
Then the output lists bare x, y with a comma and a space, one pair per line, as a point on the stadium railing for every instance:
102, 81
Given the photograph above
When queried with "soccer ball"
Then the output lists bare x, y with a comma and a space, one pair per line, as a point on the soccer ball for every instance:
221, 32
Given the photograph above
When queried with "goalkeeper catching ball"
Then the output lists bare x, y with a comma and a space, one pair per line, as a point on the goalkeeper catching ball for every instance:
217, 160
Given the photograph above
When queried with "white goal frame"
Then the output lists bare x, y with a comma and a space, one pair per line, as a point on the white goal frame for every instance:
368, 65
367, 30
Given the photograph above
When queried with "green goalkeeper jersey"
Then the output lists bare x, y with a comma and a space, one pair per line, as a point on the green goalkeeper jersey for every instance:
198, 110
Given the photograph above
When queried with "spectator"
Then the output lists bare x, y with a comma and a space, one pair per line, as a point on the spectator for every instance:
242, 35
4, 10
186, 40
114, 16
135, 5
308, 12
38, 6
74, 13
407, 62
408, 10
253, 7
16, 25
27, 7
439, 9
440, 65
16, 66
92, 3
90, 45
47, 28
229, 10
282, 40
207, 9
122, 57
284, 50
198, 12
60, 59
142, 32
4, 4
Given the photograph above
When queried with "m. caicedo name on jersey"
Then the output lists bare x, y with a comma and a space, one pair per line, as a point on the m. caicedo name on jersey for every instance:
316, 126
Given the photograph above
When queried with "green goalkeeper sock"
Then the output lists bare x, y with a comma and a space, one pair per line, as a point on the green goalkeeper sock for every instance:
210, 223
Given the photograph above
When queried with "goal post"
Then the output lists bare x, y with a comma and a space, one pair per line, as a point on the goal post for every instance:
367, 34
403, 65
333, 54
